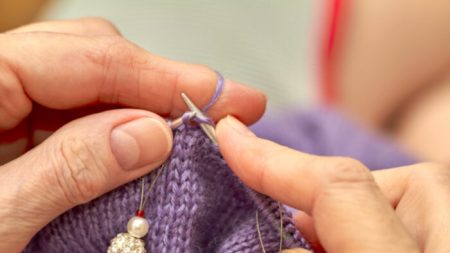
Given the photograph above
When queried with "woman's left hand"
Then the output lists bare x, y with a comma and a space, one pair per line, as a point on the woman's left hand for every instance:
67, 79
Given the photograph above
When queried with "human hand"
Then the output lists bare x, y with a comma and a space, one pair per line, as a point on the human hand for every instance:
345, 207
61, 76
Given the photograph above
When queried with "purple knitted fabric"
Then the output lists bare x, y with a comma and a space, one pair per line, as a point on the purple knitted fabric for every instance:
196, 205
326, 131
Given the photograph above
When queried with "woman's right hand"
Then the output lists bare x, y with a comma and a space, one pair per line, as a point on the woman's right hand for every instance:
345, 207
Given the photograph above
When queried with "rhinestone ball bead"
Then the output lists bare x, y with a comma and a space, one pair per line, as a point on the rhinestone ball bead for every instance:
126, 243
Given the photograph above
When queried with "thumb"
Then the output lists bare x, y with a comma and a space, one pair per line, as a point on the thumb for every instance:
81, 161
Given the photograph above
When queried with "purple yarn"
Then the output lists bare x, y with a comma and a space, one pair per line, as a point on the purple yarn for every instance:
219, 88
191, 116
197, 205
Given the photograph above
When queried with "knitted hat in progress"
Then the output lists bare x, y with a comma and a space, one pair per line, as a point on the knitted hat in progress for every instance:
196, 205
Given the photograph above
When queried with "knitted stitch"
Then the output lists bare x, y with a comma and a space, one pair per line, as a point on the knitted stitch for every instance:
197, 205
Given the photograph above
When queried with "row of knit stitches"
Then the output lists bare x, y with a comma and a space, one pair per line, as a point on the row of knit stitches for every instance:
116, 207
245, 237
225, 202
269, 213
205, 164
175, 198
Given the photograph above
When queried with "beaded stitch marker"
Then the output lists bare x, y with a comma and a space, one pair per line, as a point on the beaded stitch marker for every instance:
137, 226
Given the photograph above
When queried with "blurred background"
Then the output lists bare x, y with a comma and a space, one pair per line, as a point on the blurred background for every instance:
265, 44
387, 65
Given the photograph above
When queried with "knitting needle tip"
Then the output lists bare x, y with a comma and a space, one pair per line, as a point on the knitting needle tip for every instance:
207, 128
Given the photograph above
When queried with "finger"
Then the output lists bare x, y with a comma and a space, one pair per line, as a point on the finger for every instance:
79, 162
15, 143
305, 224
350, 212
421, 197
67, 71
82, 26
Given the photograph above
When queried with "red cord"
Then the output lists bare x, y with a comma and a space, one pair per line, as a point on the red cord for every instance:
328, 83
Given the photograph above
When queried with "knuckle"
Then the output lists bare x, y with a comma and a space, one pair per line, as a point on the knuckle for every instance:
344, 170
99, 24
431, 173
111, 50
205, 77
208, 75
79, 173
111, 57
97, 20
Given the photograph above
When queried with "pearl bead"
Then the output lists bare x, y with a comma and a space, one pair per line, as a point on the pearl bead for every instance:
138, 227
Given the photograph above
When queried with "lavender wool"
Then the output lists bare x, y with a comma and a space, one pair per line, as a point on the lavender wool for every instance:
196, 205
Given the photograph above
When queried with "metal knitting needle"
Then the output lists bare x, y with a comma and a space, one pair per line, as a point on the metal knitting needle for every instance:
208, 129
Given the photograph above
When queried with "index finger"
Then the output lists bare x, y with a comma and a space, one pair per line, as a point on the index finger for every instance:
62, 71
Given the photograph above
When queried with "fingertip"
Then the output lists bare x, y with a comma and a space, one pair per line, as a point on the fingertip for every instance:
226, 138
221, 130
253, 101
237, 127
246, 103
233, 138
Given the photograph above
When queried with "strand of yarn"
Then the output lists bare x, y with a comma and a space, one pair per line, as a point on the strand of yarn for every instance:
217, 93
190, 116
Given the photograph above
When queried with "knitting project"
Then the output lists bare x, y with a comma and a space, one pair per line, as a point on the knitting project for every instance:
197, 205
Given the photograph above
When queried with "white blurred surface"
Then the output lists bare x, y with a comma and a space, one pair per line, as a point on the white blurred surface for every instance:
265, 44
